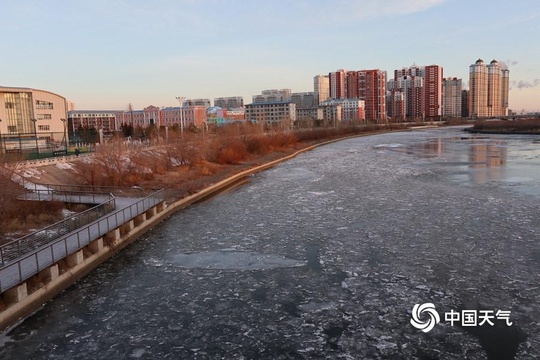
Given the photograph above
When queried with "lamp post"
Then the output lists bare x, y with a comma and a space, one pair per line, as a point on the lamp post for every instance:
1, 140
35, 133
65, 138
181, 101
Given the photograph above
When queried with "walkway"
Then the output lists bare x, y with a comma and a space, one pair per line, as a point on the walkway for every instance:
25, 257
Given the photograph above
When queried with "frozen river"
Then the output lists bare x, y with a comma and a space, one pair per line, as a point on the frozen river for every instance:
324, 257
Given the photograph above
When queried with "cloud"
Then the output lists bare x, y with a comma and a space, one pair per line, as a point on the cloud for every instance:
511, 62
524, 84
353, 10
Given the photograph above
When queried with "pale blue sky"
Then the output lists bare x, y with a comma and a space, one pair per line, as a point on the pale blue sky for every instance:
104, 54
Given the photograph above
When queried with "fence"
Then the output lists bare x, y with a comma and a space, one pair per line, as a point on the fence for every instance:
17, 248
16, 271
78, 197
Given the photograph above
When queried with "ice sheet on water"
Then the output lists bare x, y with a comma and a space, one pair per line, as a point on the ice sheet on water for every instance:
299, 174
233, 260
388, 145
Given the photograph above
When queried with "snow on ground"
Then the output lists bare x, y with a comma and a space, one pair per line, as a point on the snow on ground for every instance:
65, 166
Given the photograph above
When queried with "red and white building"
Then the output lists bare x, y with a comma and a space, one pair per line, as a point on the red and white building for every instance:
417, 89
337, 84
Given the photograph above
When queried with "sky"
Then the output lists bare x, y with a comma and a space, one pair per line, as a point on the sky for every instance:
106, 54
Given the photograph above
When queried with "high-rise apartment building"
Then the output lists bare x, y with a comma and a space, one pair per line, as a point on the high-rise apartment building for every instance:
452, 94
421, 89
337, 84
366, 85
433, 78
351, 84
408, 90
488, 89
321, 87
372, 90
478, 86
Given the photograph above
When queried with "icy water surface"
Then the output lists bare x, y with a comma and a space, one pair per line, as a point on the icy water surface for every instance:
324, 257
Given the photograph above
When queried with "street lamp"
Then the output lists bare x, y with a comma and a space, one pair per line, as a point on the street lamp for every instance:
35, 133
1, 140
181, 101
65, 138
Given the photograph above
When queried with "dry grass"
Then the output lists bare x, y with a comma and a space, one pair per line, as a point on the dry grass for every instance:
21, 216
506, 126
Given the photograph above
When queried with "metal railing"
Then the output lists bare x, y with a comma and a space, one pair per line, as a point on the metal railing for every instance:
16, 271
21, 246
78, 197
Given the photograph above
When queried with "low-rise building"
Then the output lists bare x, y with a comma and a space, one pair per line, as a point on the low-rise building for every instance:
271, 112
346, 110
106, 120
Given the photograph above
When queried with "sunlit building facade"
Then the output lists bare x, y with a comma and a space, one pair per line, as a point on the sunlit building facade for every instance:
488, 89
452, 94
30, 116
271, 112
321, 87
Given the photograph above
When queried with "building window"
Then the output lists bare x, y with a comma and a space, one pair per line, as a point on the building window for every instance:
44, 104
44, 127
44, 116
10, 105
12, 129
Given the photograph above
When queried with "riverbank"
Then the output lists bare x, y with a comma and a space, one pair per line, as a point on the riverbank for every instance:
519, 127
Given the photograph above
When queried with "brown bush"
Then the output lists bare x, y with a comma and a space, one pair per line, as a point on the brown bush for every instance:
233, 152
19, 216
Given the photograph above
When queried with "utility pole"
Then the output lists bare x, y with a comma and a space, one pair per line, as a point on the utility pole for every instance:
65, 137
181, 101
35, 134
1, 141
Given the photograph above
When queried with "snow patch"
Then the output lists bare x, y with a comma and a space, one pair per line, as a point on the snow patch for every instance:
64, 166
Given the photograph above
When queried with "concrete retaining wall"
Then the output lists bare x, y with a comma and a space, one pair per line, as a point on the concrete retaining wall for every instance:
24, 299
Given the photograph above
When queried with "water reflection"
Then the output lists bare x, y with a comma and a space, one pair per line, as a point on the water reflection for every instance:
487, 159
510, 161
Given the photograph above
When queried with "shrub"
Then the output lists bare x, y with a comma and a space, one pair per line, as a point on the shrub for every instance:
232, 153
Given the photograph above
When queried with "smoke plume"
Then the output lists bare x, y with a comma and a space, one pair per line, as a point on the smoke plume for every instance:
524, 84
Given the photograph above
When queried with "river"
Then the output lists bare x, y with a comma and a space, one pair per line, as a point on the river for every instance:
324, 257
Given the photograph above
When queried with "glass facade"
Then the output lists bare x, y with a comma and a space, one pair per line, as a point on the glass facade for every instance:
19, 112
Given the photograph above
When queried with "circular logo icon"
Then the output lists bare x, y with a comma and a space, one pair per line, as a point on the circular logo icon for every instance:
419, 320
